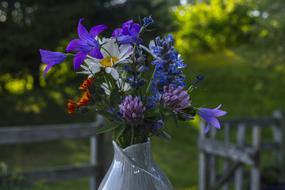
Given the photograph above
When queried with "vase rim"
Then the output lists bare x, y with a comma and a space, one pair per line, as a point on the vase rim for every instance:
131, 146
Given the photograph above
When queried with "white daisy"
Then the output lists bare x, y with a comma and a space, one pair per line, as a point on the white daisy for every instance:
113, 54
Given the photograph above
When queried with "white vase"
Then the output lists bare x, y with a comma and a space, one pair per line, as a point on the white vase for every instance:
134, 169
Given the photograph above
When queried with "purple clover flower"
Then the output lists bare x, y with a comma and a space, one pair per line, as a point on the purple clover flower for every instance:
51, 58
129, 33
86, 44
210, 116
132, 110
175, 98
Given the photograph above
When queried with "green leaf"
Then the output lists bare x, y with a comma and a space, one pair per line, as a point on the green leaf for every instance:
174, 117
164, 135
119, 131
115, 97
106, 128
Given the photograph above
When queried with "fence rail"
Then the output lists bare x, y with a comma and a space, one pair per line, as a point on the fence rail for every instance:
43, 133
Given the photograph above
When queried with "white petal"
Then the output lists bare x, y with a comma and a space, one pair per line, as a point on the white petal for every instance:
92, 59
151, 44
125, 51
105, 88
95, 69
110, 48
108, 70
113, 72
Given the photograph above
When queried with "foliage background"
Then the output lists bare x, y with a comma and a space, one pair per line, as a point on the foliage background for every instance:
238, 45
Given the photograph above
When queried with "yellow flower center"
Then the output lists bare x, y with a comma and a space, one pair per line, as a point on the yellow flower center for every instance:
108, 61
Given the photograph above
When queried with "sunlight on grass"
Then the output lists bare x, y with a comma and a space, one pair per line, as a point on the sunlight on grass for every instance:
17, 85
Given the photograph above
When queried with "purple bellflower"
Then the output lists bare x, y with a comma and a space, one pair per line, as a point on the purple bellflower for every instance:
210, 116
51, 58
87, 44
132, 110
129, 33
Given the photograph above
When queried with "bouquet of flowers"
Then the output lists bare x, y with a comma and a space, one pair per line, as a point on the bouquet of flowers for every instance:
135, 85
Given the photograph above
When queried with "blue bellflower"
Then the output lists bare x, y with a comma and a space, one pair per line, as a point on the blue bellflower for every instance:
86, 44
51, 59
128, 33
210, 117
147, 21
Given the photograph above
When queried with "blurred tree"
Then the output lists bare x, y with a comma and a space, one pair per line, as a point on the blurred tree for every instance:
214, 25
27, 25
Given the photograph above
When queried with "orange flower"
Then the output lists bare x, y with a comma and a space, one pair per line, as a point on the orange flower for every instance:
86, 84
71, 106
85, 98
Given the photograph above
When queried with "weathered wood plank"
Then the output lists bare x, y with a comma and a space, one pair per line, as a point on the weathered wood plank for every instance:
16, 135
226, 176
240, 143
281, 140
226, 161
202, 162
255, 170
245, 155
212, 161
262, 122
56, 174
93, 161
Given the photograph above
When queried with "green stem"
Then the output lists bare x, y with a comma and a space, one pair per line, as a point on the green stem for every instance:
149, 84
132, 135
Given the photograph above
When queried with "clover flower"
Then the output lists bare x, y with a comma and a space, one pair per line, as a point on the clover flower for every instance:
132, 110
175, 98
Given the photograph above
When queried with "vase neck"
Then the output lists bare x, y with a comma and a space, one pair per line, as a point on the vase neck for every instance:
139, 153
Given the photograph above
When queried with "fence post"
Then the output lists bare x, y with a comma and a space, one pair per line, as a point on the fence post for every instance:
93, 181
240, 143
278, 115
202, 161
255, 170
227, 141
212, 161
93, 161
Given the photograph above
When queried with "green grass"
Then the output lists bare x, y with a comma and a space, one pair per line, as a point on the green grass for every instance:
244, 88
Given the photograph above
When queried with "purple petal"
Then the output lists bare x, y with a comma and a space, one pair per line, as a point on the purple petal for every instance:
207, 128
126, 39
77, 45
96, 53
219, 113
117, 32
214, 122
51, 58
78, 60
135, 29
96, 30
83, 33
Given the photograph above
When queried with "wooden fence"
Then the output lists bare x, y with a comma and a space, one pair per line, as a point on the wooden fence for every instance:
238, 155
32, 134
